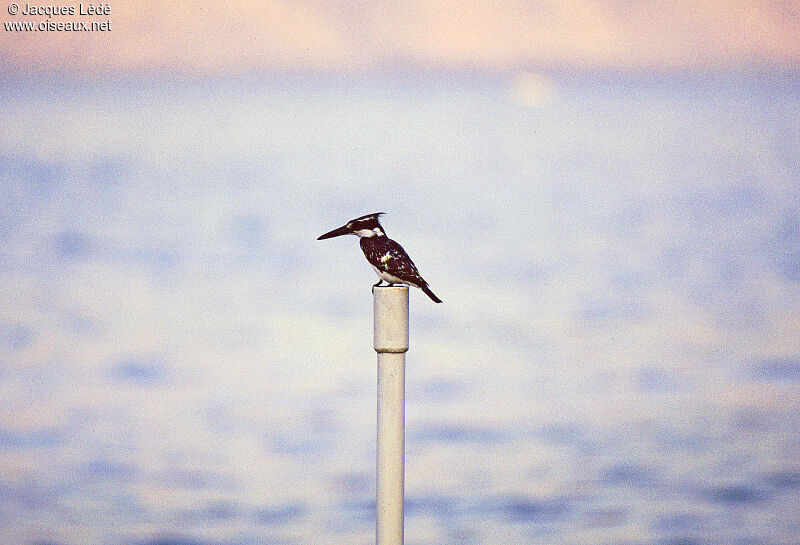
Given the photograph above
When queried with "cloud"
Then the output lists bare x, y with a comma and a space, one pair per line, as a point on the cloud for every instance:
218, 37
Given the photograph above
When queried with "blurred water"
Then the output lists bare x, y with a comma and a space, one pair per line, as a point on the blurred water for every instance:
616, 359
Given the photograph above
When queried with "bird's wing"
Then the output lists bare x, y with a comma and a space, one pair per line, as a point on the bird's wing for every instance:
392, 258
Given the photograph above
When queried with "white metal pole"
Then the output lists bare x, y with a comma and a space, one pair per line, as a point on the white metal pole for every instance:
391, 344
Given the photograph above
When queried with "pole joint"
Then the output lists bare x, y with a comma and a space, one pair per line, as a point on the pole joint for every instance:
391, 319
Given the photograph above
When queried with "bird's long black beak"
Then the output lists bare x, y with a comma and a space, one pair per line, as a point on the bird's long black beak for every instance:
343, 230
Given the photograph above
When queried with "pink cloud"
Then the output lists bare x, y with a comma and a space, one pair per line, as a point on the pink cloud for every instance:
215, 36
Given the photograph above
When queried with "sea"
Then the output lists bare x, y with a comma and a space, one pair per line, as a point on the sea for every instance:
616, 359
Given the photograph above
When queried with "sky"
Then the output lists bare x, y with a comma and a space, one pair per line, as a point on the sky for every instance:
217, 37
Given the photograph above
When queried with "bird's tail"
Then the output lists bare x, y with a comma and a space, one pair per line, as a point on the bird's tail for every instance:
430, 294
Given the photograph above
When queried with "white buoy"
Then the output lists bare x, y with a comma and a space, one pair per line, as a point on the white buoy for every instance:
391, 344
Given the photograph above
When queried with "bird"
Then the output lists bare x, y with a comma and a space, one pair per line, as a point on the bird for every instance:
386, 256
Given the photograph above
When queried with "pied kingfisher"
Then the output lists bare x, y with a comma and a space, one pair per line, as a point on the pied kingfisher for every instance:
387, 257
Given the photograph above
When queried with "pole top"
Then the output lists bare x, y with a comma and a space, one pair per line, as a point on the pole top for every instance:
390, 304
397, 288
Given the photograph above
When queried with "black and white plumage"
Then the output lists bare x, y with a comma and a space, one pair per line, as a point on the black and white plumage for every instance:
387, 257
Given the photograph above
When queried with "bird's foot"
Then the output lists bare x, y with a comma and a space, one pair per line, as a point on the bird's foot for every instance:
378, 284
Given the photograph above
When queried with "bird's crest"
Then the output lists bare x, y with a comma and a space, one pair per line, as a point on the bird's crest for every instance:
368, 222
369, 216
